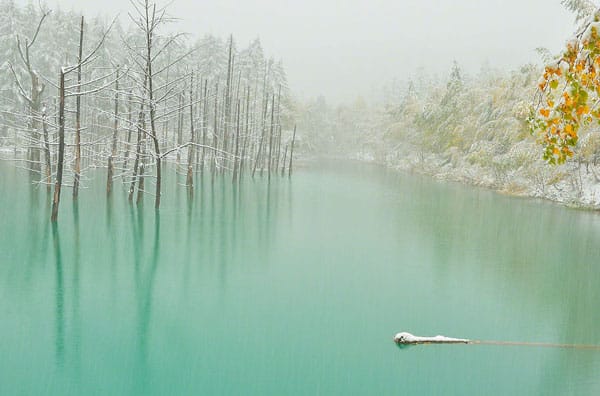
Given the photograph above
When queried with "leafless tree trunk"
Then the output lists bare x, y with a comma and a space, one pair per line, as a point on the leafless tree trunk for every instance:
270, 159
129, 128
47, 153
77, 169
141, 126
113, 154
151, 23
246, 135
262, 137
180, 127
283, 162
236, 161
190, 170
140, 194
34, 97
61, 147
215, 129
292, 152
204, 121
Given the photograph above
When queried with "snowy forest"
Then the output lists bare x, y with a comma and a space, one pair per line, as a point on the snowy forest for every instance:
214, 105
472, 128
467, 128
80, 94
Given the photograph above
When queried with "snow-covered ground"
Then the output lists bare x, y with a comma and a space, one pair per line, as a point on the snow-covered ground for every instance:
570, 184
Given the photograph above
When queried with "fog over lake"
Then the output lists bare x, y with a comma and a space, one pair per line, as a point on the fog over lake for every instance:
345, 49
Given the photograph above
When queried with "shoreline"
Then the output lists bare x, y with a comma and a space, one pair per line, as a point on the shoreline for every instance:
518, 187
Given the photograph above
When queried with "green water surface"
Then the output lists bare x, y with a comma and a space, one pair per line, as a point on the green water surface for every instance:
295, 288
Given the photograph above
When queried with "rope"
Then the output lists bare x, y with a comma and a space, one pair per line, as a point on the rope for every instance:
536, 344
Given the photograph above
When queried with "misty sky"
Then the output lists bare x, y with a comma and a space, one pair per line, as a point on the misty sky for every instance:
345, 48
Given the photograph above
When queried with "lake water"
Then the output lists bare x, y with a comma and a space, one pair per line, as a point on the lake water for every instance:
295, 288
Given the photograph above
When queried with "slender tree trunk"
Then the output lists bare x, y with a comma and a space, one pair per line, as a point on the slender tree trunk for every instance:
113, 153
61, 147
246, 135
262, 137
149, 31
204, 121
227, 112
180, 127
283, 162
141, 126
215, 129
278, 131
292, 152
198, 103
77, 169
140, 193
190, 170
47, 155
35, 124
129, 128
236, 161
270, 161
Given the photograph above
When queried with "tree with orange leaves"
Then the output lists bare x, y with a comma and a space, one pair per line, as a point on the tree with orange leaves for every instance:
569, 94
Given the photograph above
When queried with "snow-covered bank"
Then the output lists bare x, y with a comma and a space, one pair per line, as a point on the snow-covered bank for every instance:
572, 184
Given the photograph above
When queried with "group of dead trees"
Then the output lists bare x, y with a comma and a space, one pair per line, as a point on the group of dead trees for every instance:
156, 108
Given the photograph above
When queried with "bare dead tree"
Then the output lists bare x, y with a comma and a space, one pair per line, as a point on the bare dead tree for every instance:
140, 127
270, 159
33, 98
113, 152
237, 144
180, 127
283, 161
61, 146
47, 154
204, 121
292, 152
148, 18
190, 170
77, 169
63, 93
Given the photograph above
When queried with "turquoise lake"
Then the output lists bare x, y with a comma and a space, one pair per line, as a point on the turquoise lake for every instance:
295, 287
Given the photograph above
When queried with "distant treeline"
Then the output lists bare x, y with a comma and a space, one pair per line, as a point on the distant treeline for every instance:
467, 128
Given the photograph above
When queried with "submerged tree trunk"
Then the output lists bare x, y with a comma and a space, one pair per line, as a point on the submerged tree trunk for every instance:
140, 194
246, 135
129, 129
61, 147
190, 169
262, 137
180, 127
215, 127
292, 152
204, 122
77, 169
150, 25
141, 126
271, 135
47, 154
113, 154
236, 161
283, 162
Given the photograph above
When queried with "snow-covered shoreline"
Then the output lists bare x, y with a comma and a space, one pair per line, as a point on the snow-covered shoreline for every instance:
581, 189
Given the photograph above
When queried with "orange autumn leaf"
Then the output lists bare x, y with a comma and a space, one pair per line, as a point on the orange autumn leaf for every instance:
582, 110
569, 129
